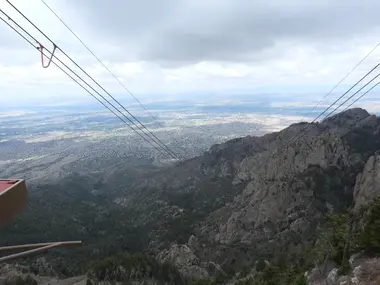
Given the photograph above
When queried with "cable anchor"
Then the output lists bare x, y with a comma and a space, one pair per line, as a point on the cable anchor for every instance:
42, 55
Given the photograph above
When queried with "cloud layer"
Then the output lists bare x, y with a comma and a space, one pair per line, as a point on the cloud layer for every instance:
190, 31
175, 48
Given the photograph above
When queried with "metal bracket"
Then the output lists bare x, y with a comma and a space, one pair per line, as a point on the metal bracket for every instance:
42, 55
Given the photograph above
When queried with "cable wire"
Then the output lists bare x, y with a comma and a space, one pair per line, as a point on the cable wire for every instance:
109, 71
303, 132
82, 80
155, 138
98, 59
361, 96
38, 29
160, 150
366, 92
353, 96
344, 78
76, 81
310, 126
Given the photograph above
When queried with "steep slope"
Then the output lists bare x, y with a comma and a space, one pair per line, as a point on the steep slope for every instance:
244, 199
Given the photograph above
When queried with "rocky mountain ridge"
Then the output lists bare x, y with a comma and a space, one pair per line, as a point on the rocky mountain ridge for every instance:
279, 198
259, 192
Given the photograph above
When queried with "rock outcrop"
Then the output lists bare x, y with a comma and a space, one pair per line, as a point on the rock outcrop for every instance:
187, 263
13, 274
367, 185
42, 268
366, 271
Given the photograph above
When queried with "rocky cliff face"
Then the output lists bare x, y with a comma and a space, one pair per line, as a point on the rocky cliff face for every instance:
367, 185
262, 195
285, 192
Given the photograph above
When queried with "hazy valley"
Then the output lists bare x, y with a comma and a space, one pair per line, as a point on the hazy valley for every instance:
41, 145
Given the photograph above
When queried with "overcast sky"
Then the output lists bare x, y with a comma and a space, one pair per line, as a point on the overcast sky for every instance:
172, 49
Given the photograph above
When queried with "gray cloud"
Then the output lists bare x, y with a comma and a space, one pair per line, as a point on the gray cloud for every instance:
190, 31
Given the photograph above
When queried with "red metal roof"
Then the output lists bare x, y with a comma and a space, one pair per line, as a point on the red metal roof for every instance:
5, 184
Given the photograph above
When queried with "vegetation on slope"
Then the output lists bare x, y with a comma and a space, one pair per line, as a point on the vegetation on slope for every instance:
133, 267
343, 235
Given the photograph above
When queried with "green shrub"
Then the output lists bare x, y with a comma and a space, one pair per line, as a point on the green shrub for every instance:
260, 265
369, 237
300, 280
205, 281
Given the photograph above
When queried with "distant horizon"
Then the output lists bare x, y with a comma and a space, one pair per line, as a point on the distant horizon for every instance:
243, 104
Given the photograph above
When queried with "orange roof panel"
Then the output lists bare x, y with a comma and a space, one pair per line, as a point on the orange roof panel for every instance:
13, 198
5, 184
